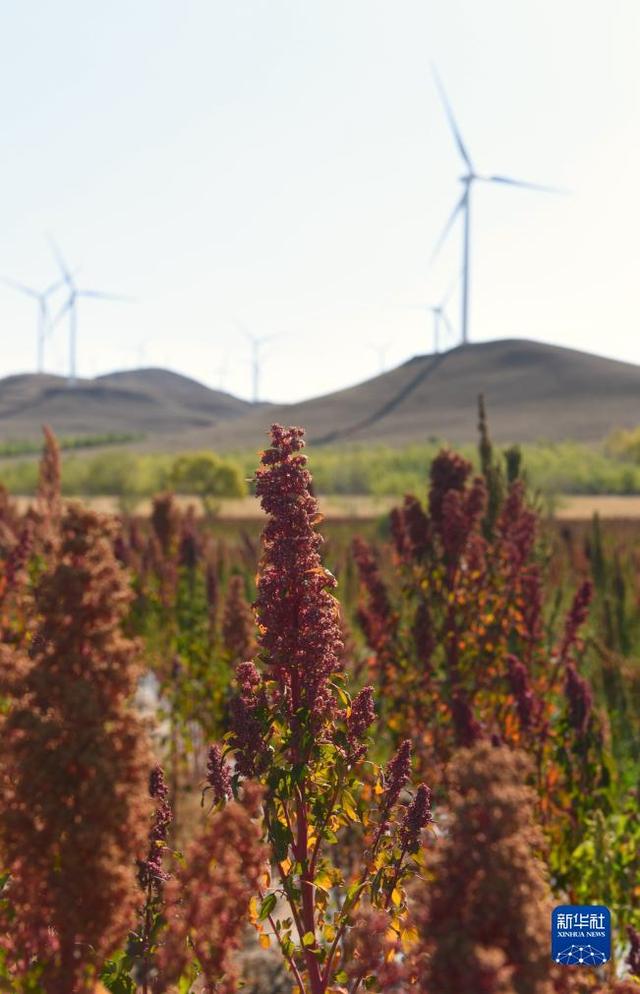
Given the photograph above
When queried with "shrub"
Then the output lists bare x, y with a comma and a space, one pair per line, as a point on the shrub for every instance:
206, 475
624, 444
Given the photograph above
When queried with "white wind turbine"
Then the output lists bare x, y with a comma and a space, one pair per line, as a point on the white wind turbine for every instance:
463, 205
257, 343
440, 317
44, 324
381, 351
70, 307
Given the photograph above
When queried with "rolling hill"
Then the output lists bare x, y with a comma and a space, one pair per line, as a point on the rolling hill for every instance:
148, 401
533, 391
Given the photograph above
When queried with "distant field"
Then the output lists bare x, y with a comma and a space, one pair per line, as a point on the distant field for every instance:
246, 508
610, 507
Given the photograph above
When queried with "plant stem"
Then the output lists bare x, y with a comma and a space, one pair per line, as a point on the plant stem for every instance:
145, 939
307, 890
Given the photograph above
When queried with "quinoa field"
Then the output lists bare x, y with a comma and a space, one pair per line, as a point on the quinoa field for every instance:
282, 753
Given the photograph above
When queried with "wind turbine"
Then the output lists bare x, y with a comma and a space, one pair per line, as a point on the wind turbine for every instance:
70, 307
257, 342
463, 206
44, 318
381, 351
440, 317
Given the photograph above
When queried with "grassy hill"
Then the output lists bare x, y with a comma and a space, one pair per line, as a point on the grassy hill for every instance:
533, 391
144, 401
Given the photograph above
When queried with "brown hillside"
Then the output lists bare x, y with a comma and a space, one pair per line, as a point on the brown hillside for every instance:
533, 391
150, 401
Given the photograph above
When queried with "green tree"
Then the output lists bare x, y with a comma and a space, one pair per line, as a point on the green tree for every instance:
207, 476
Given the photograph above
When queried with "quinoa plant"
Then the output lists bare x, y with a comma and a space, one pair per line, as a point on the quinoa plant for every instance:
297, 731
207, 901
175, 614
238, 627
152, 877
489, 904
73, 762
466, 649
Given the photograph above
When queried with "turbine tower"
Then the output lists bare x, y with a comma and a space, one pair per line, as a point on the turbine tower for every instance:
256, 342
44, 324
381, 351
440, 317
70, 307
463, 206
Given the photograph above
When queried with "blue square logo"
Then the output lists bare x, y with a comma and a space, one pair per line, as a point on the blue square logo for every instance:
580, 934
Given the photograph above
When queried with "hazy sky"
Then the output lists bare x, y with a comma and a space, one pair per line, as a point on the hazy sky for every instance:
286, 165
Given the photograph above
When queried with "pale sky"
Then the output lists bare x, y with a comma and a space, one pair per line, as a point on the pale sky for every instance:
286, 165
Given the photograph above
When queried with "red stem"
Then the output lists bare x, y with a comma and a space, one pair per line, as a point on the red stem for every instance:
289, 959
308, 892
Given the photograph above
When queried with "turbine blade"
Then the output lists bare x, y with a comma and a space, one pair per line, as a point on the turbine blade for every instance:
50, 325
68, 304
99, 295
508, 181
448, 226
21, 287
53, 287
452, 121
447, 322
452, 286
57, 254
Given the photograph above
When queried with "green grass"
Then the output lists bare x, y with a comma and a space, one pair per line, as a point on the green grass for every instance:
23, 446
